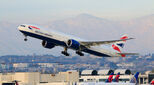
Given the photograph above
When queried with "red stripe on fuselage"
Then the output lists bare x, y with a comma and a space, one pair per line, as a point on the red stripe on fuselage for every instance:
34, 27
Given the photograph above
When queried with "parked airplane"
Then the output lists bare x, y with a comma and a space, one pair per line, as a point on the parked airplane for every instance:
116, 79
133, 81
50, 39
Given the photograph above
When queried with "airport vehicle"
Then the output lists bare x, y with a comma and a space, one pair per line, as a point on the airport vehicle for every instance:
50, 39
116, 79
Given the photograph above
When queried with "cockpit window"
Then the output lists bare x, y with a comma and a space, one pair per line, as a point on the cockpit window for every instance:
22, 25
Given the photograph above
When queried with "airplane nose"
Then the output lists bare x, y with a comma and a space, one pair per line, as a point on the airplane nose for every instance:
20, 27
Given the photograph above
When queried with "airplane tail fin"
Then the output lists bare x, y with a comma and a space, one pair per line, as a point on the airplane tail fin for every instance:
110, 78
119, 45
134, 79
116, 79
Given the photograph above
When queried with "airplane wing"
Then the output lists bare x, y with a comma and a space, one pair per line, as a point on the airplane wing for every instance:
128, 53
96, 43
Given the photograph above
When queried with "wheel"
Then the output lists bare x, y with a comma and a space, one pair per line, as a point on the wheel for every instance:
79, 53
25, 39
65, 53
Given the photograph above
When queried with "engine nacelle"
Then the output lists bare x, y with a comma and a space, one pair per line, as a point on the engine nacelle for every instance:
48, 45
73, 44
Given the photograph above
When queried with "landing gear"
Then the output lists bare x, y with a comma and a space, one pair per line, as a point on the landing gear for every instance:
65, 52
25, 38
79, 53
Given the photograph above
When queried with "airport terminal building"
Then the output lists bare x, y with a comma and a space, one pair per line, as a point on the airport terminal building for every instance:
71, 77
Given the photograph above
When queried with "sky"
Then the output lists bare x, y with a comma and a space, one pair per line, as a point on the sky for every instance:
48, 10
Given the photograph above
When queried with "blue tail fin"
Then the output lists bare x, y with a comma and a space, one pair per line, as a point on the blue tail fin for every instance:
135, 78
116, 79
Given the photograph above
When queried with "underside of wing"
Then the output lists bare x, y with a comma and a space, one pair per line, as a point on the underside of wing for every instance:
128, 53
95, 43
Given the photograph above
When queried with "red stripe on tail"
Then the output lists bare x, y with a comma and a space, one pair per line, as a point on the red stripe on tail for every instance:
116, 48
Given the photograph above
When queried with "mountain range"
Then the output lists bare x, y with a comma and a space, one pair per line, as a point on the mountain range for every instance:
85, 26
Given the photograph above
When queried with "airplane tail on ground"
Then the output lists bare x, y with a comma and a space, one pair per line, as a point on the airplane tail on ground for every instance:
134, 79
116, 79
109, 78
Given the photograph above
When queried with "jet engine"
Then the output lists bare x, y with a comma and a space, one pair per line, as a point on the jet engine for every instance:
73, 44
48, 45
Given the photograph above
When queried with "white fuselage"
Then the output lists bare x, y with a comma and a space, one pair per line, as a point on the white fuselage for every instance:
61, 39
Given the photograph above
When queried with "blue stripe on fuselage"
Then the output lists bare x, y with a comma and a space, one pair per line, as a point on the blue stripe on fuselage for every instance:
57, 42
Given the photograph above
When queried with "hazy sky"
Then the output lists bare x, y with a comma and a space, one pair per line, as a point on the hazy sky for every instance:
48, 10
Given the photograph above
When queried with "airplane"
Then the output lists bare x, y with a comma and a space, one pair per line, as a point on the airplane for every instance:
133, 81
51, 38
116, 79
109, 80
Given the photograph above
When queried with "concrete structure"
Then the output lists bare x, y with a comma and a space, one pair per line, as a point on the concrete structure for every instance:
123, 71
71, 77
28, 78
35, 78
105, 72
46, 64
146, 78
60, 77
88, 72
20, 65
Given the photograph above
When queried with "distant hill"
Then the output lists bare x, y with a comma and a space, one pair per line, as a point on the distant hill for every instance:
95, 28
134, 63
85, 26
